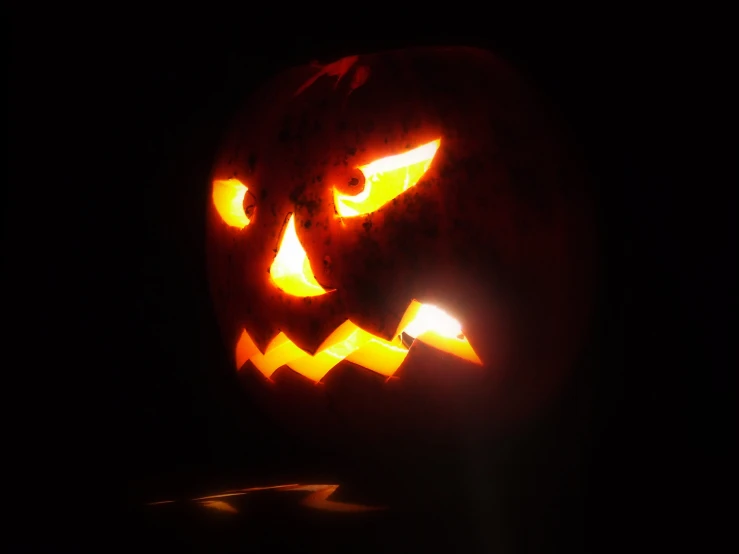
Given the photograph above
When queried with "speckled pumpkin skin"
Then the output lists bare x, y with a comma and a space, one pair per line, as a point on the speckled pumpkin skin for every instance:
497, 233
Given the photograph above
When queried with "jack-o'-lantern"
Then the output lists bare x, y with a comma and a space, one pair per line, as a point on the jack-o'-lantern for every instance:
399, 243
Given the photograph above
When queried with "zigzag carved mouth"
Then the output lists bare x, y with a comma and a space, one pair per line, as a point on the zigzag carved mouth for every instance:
421, 322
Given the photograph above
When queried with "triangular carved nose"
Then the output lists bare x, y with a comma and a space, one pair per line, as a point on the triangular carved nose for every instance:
291, 271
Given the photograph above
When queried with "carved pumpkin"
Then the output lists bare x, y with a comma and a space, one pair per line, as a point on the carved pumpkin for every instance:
399, 243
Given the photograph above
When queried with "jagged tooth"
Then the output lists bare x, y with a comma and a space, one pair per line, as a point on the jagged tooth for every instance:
245, 349
347, 338
314, 367
459, 348
410, 313
339, 335
281, 351
381, 356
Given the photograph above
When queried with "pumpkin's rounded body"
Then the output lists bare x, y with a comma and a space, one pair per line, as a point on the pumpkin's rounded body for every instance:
490, 223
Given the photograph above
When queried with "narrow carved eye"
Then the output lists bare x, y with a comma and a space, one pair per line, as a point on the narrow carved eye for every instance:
385, 179
228, 199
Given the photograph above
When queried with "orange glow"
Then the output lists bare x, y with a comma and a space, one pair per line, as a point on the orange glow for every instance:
423, 322
291, 270
228, 198
239, 492
318, 500
385, 179
220, 506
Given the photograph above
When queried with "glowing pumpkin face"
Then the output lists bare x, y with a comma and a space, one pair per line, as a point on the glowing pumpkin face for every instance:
409, 214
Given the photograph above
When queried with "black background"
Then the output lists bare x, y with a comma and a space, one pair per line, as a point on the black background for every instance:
125, 395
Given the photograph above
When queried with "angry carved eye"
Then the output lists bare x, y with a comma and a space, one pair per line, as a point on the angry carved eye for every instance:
385, 179
228, 198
